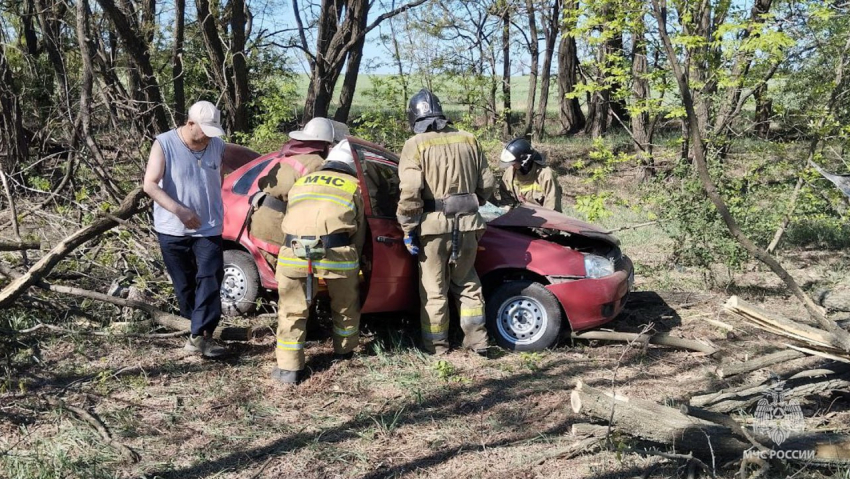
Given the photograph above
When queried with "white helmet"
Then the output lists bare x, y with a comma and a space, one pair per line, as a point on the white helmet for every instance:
340, 159
317, 129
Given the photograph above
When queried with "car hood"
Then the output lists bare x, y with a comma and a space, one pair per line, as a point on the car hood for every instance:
530, 216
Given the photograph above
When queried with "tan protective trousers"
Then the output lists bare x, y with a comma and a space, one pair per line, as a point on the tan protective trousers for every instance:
437, 279
293, 312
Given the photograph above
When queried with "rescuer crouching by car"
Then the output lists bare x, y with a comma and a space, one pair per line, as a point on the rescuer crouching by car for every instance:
301, 155
324, 226
527, 179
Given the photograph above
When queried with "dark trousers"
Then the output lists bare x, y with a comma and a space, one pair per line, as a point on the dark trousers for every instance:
196, 267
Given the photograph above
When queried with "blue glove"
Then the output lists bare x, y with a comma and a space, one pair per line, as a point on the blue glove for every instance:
411, 242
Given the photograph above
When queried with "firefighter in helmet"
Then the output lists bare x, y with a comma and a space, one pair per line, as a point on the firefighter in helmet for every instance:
301, 155
444, 177
324, 234
527, 179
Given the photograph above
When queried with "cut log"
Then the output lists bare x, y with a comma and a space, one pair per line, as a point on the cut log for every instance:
660, 339
6, 245
835, 377
729, 370
583, 429
653, 422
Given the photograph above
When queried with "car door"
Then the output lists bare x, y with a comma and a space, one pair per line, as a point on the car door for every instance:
389, 270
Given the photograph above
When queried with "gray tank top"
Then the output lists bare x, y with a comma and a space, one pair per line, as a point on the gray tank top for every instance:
194, 181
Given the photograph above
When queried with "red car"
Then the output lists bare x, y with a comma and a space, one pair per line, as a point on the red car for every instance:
541, 270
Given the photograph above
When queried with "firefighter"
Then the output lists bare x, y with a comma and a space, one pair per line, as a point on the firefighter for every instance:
527, 179
325, 230
444, 177
301, 155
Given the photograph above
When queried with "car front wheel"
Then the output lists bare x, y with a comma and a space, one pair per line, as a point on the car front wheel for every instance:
241, 285
524, 316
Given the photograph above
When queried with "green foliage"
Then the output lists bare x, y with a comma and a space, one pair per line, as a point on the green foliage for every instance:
273, 105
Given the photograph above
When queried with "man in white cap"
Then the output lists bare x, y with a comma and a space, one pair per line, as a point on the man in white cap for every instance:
183, 177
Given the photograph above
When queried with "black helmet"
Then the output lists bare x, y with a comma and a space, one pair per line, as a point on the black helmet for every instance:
339, 166
423, 105
520, 150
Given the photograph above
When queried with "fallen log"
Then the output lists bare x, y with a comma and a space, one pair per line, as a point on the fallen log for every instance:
18, 245
779, 325
834, 377
653, 422
660, 339
131, 205
729, 370
161, 318
592, 436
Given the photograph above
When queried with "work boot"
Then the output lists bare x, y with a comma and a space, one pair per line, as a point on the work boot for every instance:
483, 352
285, 377
338, 357
203, 346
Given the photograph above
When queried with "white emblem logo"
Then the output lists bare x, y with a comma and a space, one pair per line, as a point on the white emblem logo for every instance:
776, 417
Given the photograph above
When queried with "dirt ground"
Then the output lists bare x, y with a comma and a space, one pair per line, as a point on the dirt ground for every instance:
391, 411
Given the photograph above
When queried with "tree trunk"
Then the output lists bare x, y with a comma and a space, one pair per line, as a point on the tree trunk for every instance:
764, 111
551, 30
239, 67
218, 68
355, 56
177, 79
641, 95
139, 52
571, 116
534, 54
506, 71
14, 147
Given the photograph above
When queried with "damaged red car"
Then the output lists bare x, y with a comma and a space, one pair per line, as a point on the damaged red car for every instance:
543, 273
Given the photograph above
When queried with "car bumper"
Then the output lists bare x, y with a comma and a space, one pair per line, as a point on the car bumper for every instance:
592, 302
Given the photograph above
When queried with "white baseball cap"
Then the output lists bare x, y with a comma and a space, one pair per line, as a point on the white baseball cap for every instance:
207, 116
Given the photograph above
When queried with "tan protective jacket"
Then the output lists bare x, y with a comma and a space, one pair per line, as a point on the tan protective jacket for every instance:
434, 165
265, 222
540, 186
322, 203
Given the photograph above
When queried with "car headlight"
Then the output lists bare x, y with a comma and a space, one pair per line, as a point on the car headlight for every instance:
598, 266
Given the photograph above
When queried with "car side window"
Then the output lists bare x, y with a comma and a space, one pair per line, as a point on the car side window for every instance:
243, 185
381, 175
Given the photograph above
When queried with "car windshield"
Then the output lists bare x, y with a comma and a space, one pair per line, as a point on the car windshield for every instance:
490, 211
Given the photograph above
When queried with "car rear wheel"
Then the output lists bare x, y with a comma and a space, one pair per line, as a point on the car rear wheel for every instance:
241, 284
524, 316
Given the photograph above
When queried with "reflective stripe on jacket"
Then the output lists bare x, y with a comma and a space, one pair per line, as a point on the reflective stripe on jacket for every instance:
322, 203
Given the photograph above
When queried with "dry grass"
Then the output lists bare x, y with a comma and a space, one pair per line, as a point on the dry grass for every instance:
391, 411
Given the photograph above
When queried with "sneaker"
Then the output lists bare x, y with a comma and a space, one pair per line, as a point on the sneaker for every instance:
203, 346
285, 377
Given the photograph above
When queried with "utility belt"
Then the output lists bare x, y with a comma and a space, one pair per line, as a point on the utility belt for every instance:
453, 206
333, 240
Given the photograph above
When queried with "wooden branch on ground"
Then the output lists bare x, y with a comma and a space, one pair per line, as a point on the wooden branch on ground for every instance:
591, 436
98, 425
61, 330
660, 339
161, 318
631, 227
129, 207
729, 370
653, 422
779, 325
834, 377
6, 245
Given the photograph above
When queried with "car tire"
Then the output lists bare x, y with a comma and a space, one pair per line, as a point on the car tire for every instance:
524, 316
241, 285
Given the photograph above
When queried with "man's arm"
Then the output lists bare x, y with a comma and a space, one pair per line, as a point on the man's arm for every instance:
153, 174
551, 190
